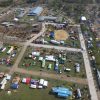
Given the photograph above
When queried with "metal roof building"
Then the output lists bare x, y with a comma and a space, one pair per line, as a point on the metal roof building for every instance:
35, 11
47, 18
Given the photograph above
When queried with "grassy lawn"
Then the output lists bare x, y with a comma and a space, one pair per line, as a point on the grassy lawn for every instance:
71, 59
25, 93
3, 69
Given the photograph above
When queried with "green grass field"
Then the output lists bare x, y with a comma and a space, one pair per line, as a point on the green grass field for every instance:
25, 93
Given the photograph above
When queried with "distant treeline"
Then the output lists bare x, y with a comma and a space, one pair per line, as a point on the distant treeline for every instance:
4, 3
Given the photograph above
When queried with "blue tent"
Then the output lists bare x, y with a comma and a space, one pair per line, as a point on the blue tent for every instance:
51, 34
56, 68
62, 95
14, 86
61, 91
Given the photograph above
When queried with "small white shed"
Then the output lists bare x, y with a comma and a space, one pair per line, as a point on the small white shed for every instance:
33, 86
41, 81
45, 83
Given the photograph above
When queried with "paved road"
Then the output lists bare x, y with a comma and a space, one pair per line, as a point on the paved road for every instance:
56, 47
52, 76
88, 67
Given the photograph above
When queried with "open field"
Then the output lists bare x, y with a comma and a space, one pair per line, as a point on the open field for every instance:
4, 69
71, 59
25, 93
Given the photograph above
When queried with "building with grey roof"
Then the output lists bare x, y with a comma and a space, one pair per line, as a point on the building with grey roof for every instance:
36, 11
47, 18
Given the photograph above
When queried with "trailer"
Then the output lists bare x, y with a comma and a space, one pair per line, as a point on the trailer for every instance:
49, 66
41, 82
79, 93
36, 54
77, 69
10, 50
4, 81
55, 42
3, 49
67, 69
45, 83
43, 63
33, 86
2, 87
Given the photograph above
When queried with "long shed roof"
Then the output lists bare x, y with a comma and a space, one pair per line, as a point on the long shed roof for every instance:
35, 11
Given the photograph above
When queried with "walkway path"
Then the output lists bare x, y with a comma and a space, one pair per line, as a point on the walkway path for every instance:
52, 76
56, 47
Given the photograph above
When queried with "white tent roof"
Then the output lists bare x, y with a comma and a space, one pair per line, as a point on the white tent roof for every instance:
33, 86
40, 87
83, 18
45, 83
36, 53
8, 77
16, 19
24, 80
41, 81
50, 58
